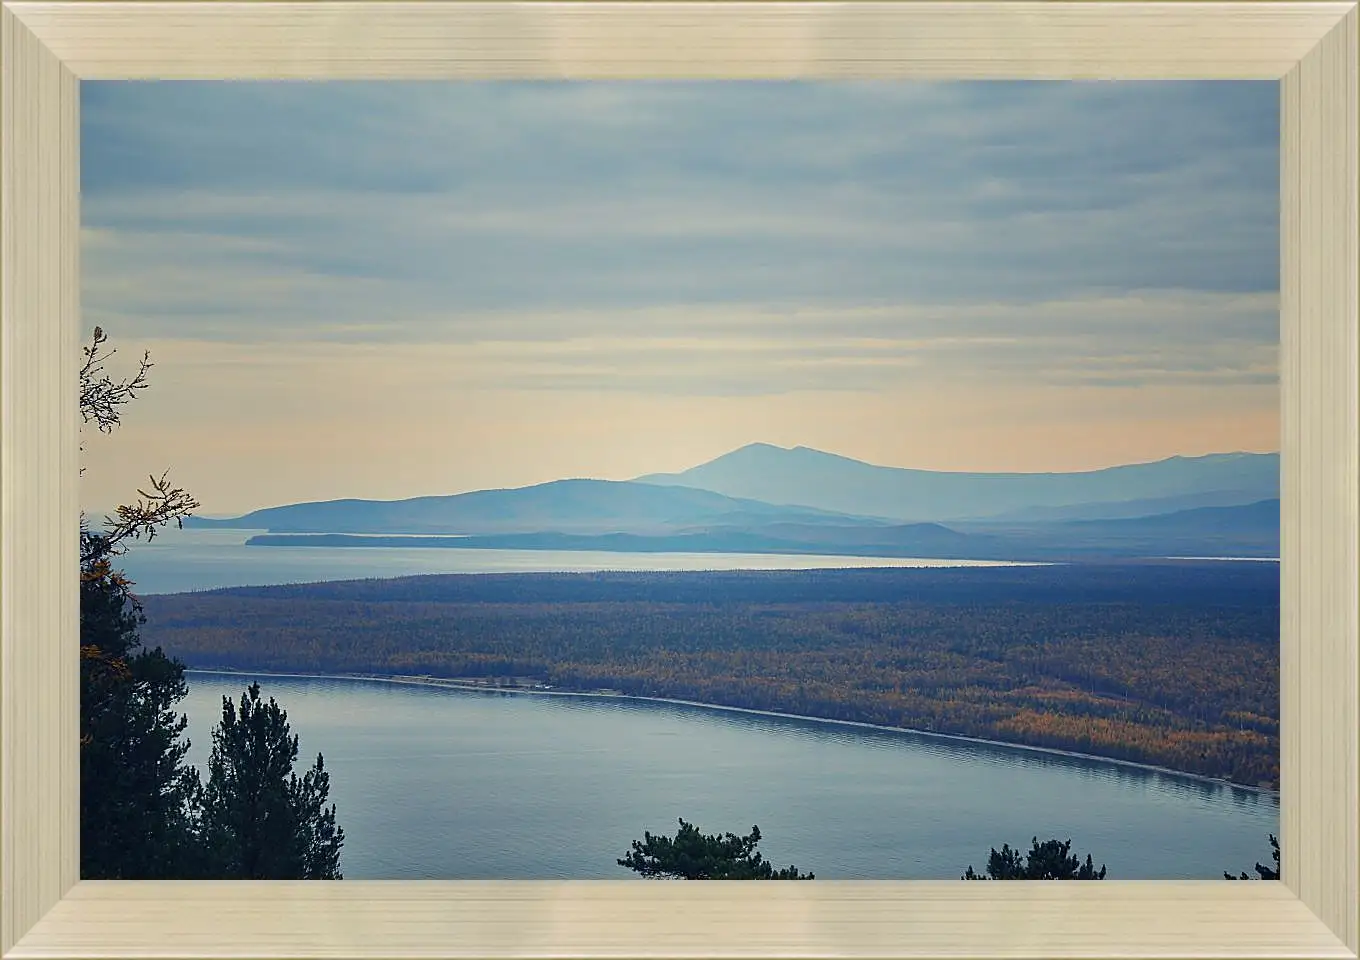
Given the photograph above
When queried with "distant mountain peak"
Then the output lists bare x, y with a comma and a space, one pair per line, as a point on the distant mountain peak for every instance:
763, 447
772, 449
813, 452
1223, 457
805, 477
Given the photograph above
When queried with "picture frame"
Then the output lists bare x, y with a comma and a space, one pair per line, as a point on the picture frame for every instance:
47, 48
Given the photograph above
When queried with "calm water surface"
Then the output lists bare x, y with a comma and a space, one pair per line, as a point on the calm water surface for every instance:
181, 560
443, 784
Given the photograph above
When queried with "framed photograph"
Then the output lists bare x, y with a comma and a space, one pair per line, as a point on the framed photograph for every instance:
756, 232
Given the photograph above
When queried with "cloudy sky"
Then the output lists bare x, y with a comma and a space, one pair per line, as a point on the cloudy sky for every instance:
391, 290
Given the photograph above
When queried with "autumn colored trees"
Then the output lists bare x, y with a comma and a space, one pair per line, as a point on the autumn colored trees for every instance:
1177, 667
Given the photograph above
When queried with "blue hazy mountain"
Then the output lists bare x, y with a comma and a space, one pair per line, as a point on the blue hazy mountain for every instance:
560, 506
766, 499
1129, 509
1245, 530
1248, 530
1260, 519
812, 478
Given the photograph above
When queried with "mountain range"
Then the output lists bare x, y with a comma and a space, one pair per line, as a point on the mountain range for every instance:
810, 477
560, 506
766, 499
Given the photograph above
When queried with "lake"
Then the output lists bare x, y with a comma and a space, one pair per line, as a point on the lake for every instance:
196, 559
445, 784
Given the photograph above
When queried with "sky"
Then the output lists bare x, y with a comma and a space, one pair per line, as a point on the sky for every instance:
385, 290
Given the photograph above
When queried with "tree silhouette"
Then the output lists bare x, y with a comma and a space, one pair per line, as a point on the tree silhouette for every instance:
136, 791
261, 821
1050, 860
1262, 872
144, 814
691, 855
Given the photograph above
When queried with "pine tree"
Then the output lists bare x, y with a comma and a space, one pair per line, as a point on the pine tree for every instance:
260, 820
136, 790
692, 856
1050, 860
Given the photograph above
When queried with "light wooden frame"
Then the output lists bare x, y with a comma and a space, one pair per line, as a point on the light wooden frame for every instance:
46, 48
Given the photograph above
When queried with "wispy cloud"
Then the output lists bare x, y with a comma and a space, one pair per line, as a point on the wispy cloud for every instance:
702, 240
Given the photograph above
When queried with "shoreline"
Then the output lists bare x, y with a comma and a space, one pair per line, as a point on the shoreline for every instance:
453, 684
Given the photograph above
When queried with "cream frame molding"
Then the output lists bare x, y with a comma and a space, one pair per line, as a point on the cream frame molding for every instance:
46, 48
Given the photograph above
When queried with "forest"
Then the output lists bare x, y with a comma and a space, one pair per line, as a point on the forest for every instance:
1169, 663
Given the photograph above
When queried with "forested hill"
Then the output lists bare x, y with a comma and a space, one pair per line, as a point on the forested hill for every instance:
1173, 664
1152, 582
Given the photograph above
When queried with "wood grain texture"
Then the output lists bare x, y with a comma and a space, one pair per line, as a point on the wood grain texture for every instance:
640, 919
39, 285
1320, 497
44, 47
696, 40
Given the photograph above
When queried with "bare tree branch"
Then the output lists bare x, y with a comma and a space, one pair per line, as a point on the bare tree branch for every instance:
100, 394
101, 398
